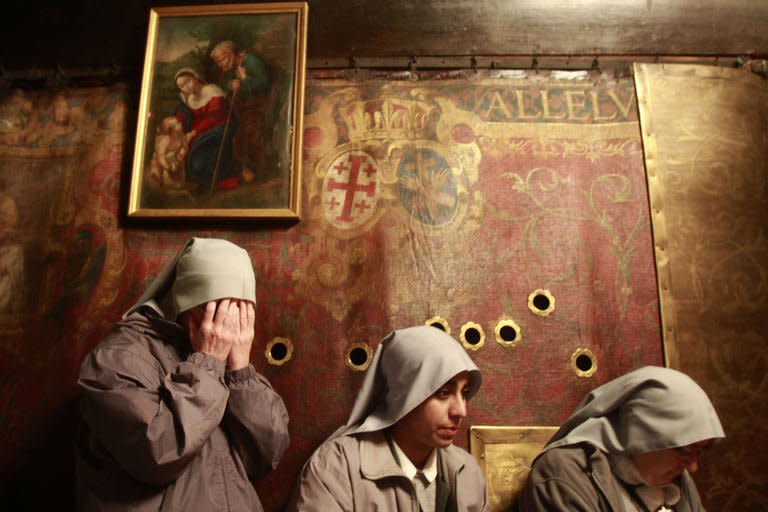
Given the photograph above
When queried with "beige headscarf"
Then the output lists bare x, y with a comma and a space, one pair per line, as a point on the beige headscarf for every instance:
205, 269
408, 367
648, 409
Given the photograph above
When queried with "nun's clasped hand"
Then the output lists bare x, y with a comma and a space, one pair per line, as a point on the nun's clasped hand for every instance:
240, 353
223, 329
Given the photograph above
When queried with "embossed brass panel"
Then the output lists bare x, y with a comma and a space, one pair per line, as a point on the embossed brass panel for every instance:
505, 454
705, 136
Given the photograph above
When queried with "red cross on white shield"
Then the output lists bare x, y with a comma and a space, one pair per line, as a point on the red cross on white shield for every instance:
350, 189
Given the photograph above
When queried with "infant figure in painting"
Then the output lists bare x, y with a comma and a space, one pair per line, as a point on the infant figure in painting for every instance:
167, 169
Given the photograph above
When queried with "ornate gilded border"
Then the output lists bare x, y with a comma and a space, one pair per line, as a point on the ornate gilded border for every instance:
658, 220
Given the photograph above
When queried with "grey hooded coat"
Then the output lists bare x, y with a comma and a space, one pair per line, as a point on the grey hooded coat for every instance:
646, 410
167, 429
354, 470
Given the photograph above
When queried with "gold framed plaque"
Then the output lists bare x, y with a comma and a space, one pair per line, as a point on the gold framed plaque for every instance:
505, 455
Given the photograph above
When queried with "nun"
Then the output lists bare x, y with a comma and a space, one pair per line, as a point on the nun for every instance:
396, 451
173, 414
630, 446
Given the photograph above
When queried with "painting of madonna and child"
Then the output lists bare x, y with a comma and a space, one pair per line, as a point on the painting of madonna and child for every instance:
219, 128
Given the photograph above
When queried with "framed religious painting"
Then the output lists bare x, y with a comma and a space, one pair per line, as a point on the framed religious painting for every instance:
220, 114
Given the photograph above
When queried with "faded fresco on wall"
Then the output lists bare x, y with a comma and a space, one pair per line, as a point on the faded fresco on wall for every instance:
62, 261
488, 205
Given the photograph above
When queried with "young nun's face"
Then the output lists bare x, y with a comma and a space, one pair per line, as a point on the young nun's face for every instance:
436, 421
663, 467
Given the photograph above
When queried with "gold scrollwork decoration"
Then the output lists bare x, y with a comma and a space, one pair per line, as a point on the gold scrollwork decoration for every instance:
583, 362
541, 302
357, 356
439, 323
507, 333
472, 336
279, 351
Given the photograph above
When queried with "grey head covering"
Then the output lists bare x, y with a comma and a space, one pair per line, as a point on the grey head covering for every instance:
409, 365
205, 269
648, 409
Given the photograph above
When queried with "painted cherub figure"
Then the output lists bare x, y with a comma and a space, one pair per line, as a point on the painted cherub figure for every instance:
167, 167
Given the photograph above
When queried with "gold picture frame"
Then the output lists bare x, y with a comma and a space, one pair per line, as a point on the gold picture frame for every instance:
505, 455
219, 130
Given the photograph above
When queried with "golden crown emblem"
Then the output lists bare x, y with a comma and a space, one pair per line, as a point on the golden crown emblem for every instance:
387, 118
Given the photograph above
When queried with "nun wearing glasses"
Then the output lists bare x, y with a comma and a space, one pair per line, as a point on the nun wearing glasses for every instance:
630, 446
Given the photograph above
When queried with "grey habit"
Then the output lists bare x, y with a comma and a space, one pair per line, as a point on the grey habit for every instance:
356, 469
585, 465
205, 269
648, 409
408, 367
164, 428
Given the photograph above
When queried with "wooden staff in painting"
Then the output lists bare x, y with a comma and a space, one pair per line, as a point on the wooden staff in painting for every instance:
206, 118
216, 168
247, 76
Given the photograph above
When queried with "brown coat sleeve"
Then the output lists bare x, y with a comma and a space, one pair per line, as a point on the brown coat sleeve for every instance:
256, 421
559, 482
151, 422
324, 484
575, 478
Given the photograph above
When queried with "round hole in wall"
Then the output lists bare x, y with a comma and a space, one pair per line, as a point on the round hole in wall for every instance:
584, 362
472, 336
279, 351
358, 356
541, 302
507, 333
439, 322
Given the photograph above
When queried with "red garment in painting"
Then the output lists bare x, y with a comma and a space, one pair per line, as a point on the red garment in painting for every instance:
208, 116
211, 145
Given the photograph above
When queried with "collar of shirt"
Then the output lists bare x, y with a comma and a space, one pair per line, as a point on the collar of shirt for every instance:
430, 466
